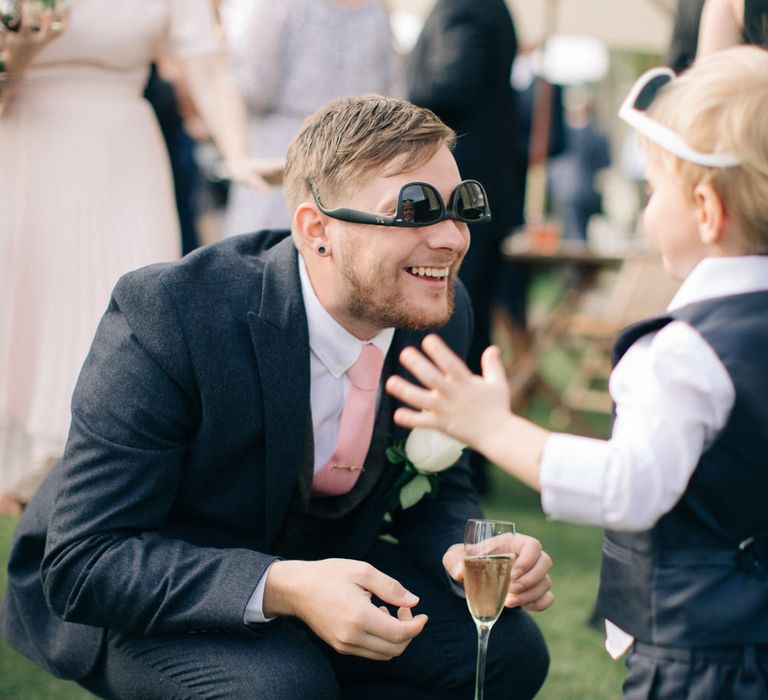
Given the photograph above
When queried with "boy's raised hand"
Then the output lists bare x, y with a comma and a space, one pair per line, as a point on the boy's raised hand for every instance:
467, 406
471, 408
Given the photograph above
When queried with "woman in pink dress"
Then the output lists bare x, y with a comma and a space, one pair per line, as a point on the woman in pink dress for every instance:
86, 194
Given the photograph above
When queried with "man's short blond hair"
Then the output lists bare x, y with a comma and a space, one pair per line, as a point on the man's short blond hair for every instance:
720, 105
350, 138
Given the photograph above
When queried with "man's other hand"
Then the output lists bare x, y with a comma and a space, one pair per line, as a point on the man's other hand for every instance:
530, 584
333, 597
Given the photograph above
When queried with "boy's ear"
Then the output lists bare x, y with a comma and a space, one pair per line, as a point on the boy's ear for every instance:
309, 225
710, 213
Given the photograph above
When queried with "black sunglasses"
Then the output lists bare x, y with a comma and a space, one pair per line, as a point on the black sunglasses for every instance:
420, 204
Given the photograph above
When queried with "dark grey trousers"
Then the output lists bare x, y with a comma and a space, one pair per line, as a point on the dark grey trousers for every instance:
667, 673
283, 659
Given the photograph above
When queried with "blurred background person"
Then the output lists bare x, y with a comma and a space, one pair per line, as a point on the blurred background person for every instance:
701, 28
727, 23
460, 68
532, 92
86, 194
685, 35
295, 56
188, 179
573, 174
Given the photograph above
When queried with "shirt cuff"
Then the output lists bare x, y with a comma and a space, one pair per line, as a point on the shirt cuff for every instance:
573, 472
254, 610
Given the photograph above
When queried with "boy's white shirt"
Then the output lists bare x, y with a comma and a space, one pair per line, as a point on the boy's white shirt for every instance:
672, 396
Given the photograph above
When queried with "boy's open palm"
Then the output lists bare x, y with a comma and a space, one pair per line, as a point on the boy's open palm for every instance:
467, 406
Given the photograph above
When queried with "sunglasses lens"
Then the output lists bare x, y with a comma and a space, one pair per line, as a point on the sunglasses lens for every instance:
649, 91
420, 204
470, 203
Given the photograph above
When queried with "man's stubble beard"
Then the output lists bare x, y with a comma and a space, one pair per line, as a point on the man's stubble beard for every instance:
365, 302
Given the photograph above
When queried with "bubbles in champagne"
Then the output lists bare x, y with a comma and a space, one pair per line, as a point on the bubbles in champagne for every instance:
486, 581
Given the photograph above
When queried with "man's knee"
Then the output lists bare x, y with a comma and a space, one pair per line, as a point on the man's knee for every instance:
279, 662
308, 675
288, 665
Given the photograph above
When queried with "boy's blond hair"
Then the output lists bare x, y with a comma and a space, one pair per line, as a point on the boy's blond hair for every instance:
720, 105
351, 137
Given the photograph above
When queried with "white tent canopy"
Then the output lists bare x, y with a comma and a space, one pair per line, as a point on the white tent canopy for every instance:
642, 25
639, 25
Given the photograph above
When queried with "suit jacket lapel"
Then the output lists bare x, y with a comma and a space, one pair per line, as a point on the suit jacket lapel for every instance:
402, 339
280, 339
281, 343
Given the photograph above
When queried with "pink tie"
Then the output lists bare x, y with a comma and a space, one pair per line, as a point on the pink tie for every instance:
342, 470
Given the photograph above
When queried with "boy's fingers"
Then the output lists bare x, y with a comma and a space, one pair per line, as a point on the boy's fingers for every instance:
492, 365
446, 360
408, 393
408, 418
422, 368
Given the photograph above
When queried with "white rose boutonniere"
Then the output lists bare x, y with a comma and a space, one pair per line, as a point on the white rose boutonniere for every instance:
425, 453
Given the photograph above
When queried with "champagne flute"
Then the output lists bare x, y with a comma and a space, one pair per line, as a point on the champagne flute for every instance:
488, 560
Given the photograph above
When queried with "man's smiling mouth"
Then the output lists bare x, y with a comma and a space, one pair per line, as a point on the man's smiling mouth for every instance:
436, 272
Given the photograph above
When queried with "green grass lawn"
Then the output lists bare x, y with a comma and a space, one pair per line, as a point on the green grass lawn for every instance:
580, 669
20, 679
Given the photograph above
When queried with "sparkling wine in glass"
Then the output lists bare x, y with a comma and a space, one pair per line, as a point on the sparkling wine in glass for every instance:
488, 559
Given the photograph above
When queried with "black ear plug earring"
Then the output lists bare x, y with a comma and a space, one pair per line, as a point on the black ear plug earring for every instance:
321, 250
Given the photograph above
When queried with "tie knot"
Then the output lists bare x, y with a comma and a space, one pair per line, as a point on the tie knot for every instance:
366, 371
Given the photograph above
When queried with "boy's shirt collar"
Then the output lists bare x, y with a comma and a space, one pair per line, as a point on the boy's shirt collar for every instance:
719, 277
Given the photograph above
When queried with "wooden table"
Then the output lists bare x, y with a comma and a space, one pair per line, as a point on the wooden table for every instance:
518, 248
531, 344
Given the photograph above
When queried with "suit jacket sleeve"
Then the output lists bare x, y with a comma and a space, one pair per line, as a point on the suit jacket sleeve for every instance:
429, 528
107, 562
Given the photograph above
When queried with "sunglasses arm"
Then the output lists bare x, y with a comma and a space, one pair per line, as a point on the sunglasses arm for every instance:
359, 217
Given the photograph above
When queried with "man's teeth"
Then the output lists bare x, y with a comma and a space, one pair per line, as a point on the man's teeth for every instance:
429, 271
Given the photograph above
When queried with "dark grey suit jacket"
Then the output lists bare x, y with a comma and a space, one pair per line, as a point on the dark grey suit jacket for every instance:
189, 426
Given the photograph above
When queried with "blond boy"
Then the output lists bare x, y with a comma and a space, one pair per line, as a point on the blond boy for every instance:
682, 483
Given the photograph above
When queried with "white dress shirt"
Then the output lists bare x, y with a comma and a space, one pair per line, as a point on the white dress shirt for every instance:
673, 396
333, 350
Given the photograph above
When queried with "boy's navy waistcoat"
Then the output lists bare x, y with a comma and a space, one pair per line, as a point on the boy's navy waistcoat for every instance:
699, 577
